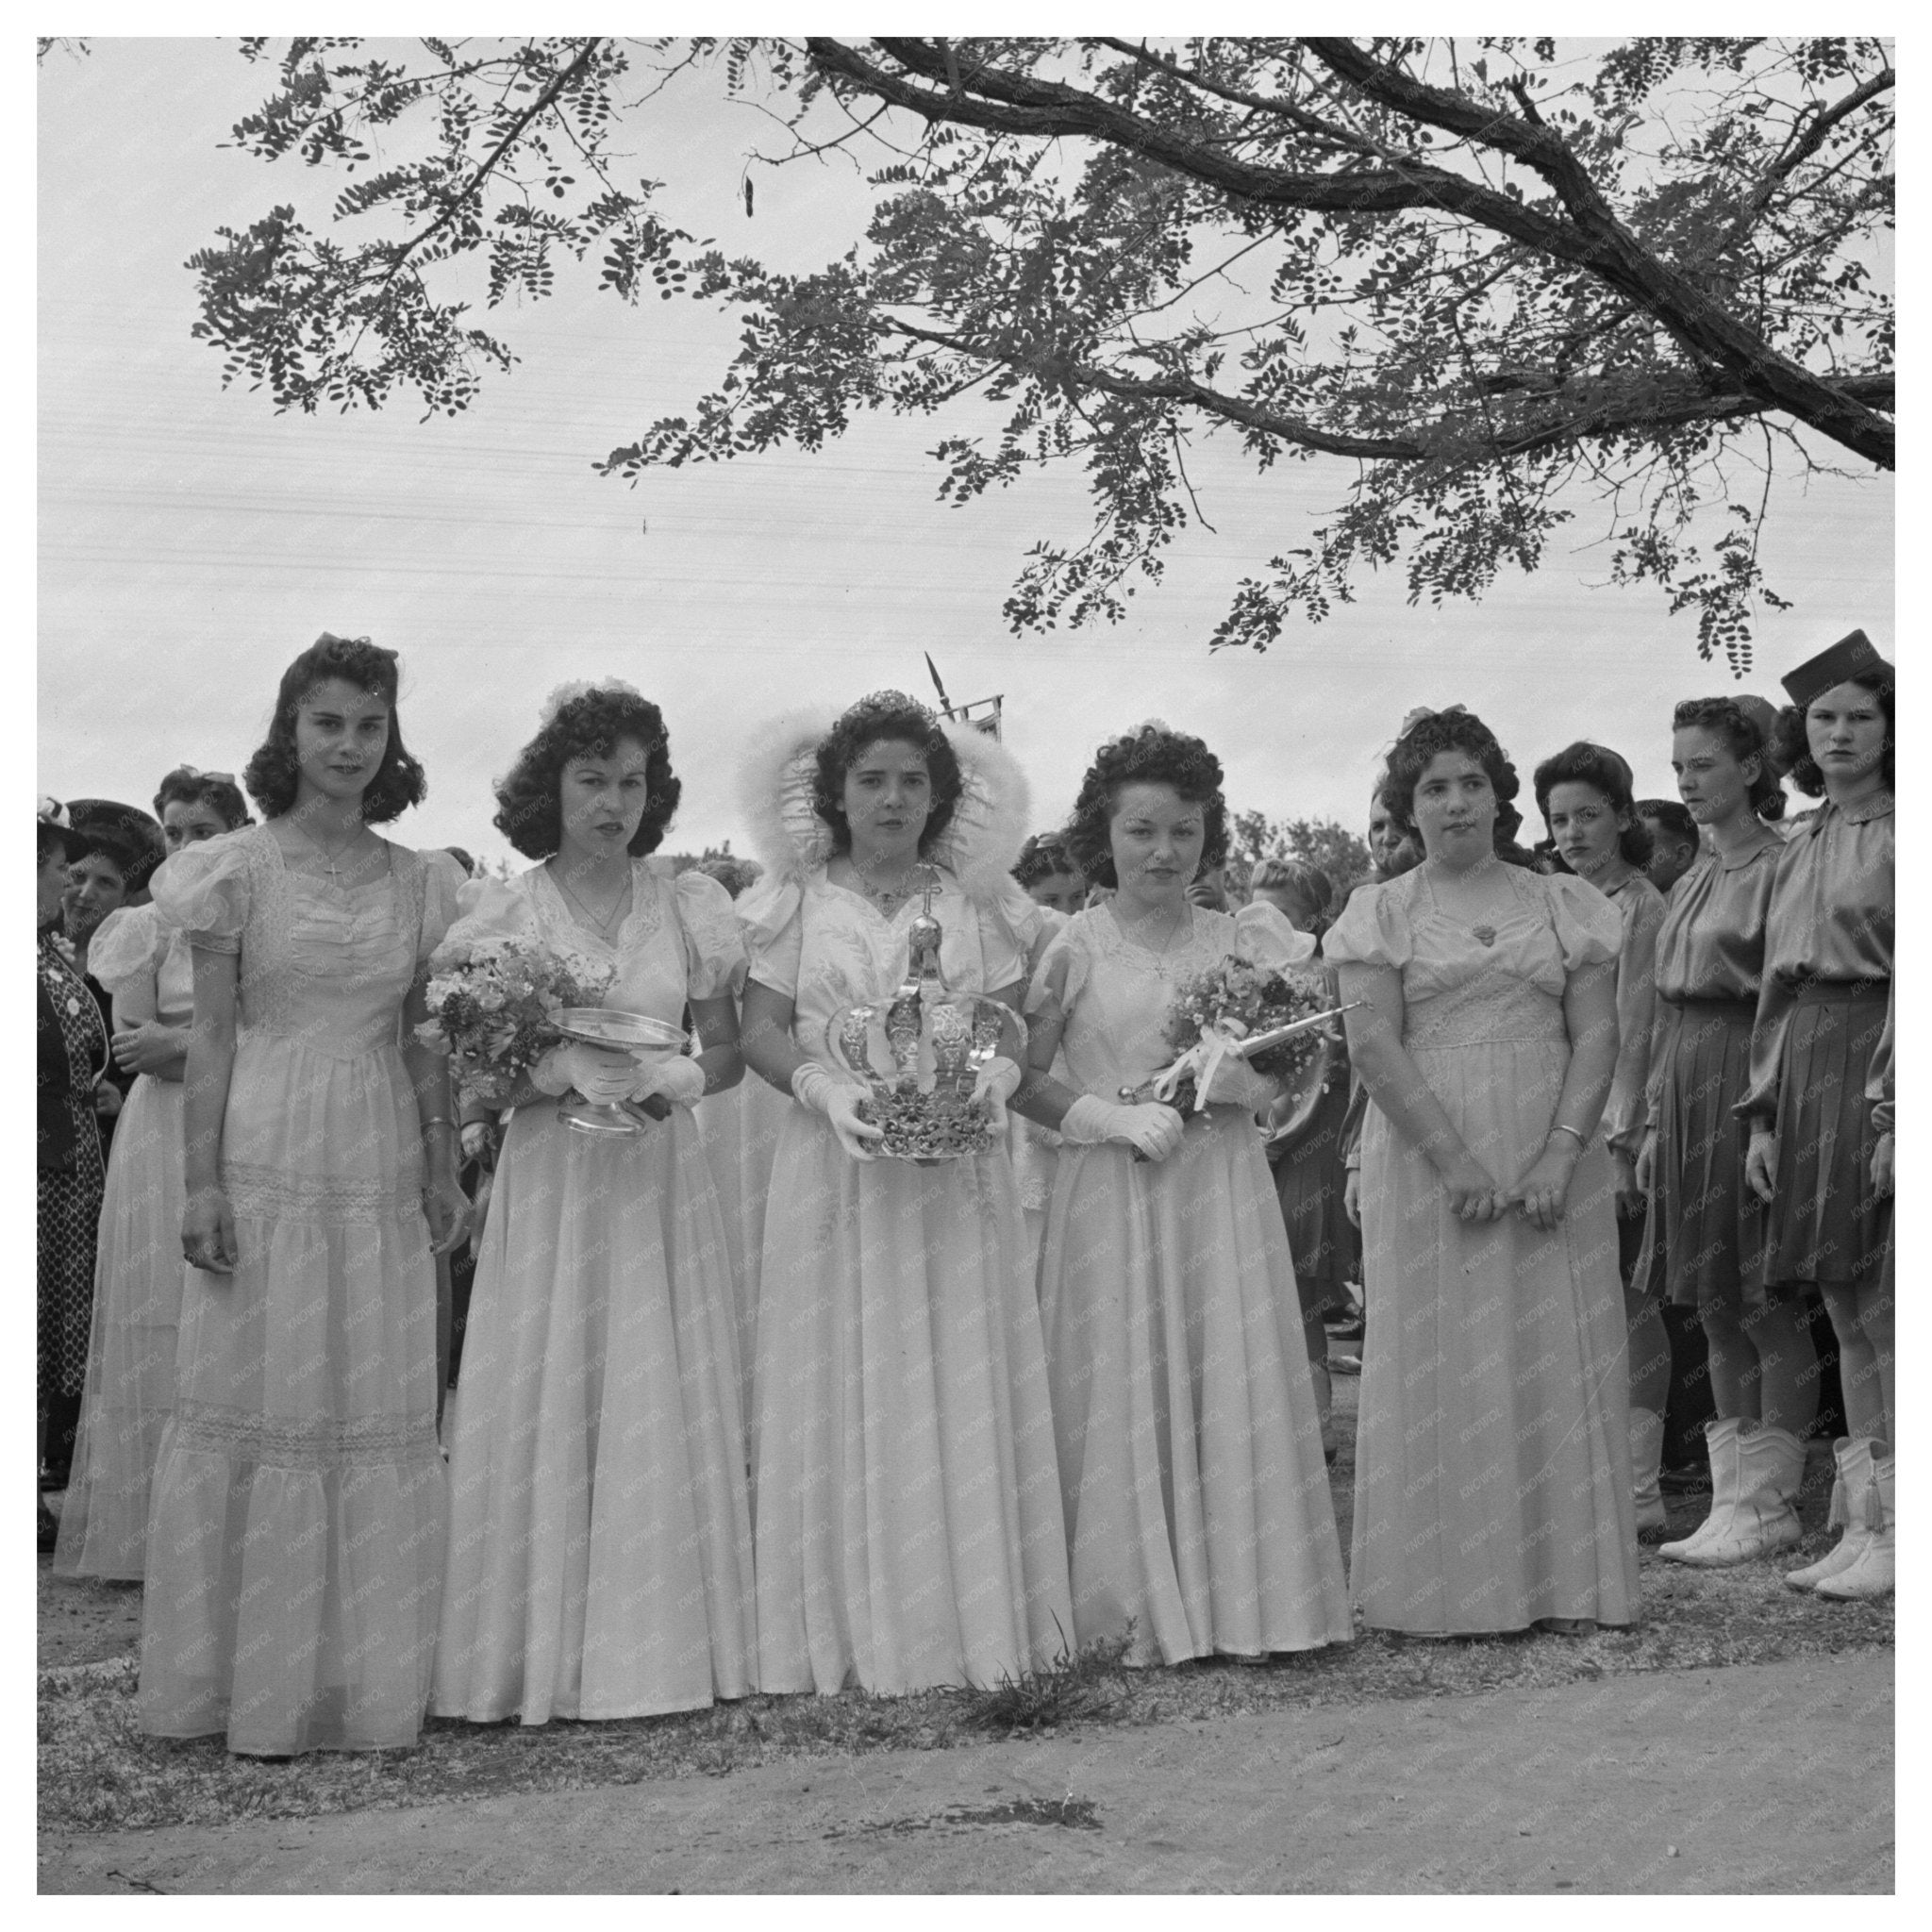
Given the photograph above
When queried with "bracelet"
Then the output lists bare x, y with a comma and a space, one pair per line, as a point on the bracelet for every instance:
438, 1120
1581, 1139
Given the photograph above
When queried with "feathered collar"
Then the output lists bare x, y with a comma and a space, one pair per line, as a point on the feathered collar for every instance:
775, 788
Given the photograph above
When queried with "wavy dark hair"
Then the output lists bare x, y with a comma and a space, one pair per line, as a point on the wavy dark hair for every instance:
1793, 748
1674, 816
1726, 719
529, 800
1151, 755
1427, 739
1604, 771
184, 785
273, 772
1044, 855
886, 717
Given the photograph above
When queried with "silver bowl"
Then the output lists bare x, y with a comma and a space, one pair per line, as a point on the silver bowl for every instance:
640, 1035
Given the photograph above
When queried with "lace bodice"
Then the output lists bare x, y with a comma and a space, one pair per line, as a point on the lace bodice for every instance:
678, 943
1460, 989
327, 965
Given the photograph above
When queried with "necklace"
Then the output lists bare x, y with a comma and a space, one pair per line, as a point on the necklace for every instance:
890, 898
599, 925
328, 855
1178, 935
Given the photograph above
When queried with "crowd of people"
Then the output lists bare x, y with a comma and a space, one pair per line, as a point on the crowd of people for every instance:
744, 1401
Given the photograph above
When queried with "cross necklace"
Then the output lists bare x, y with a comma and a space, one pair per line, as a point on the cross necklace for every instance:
329, 857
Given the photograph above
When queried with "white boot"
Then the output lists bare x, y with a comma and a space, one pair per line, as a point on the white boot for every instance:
1770, 1467
1849, 1508
1720, 1447
1872, 1572
1646, 1451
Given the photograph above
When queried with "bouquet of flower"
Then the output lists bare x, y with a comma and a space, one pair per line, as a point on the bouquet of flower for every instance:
1239, 1008
494, 1005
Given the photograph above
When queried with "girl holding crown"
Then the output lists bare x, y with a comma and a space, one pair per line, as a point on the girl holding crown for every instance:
908, 1527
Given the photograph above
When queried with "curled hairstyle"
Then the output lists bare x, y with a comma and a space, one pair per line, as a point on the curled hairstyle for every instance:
529, 800
1584, 763
184, 785
1151, 755
1044, 855
1726, 718
1793, 747
1457, 730
887, 717
273, 772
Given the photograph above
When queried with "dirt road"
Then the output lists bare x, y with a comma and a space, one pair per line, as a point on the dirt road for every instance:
1773, 1778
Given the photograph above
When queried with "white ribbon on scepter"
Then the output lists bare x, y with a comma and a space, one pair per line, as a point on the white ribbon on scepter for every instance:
1218, 1042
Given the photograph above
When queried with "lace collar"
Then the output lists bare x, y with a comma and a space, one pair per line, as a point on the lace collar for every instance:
1114, 943
640, 923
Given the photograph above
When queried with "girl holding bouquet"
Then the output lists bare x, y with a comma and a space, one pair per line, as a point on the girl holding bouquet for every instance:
909, 1518
1492, 1468
600, 1539
295, 1526
1191, 1456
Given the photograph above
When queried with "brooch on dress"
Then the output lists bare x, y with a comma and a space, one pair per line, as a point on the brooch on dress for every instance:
1486, 934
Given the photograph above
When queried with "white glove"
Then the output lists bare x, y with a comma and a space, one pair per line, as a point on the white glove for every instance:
1237, 1084
679, 1079
996, 1085
1154, 1127
838, 1101
600, 1074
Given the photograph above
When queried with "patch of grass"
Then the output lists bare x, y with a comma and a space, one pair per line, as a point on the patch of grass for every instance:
1085, 1682
98, 1773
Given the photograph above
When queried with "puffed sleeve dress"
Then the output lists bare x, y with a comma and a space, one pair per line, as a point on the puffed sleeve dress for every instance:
1492, 1463
600, 1531
130, 1373
1191, 1456
296, 1523
908, 1508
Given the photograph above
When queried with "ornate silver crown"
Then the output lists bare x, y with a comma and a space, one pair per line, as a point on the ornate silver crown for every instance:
921, 1055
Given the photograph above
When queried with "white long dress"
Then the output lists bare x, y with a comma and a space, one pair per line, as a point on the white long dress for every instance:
740, 1130
130, 1357
1492, 1463
909, 1514
295, 1526
1191, 1456
600, 1539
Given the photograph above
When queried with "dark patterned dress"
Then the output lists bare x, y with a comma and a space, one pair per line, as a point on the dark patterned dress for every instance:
71, 1174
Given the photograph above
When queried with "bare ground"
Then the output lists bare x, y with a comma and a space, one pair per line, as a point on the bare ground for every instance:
98, 1774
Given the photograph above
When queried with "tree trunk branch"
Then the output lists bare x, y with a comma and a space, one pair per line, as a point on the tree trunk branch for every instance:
1708, 331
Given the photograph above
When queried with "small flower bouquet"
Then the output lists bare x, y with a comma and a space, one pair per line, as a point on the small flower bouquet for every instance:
1274, 1019
494, 1005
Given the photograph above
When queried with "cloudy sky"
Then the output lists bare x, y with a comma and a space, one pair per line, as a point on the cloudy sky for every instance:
190, 541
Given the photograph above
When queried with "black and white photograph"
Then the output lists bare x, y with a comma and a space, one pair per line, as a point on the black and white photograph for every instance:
965, 965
